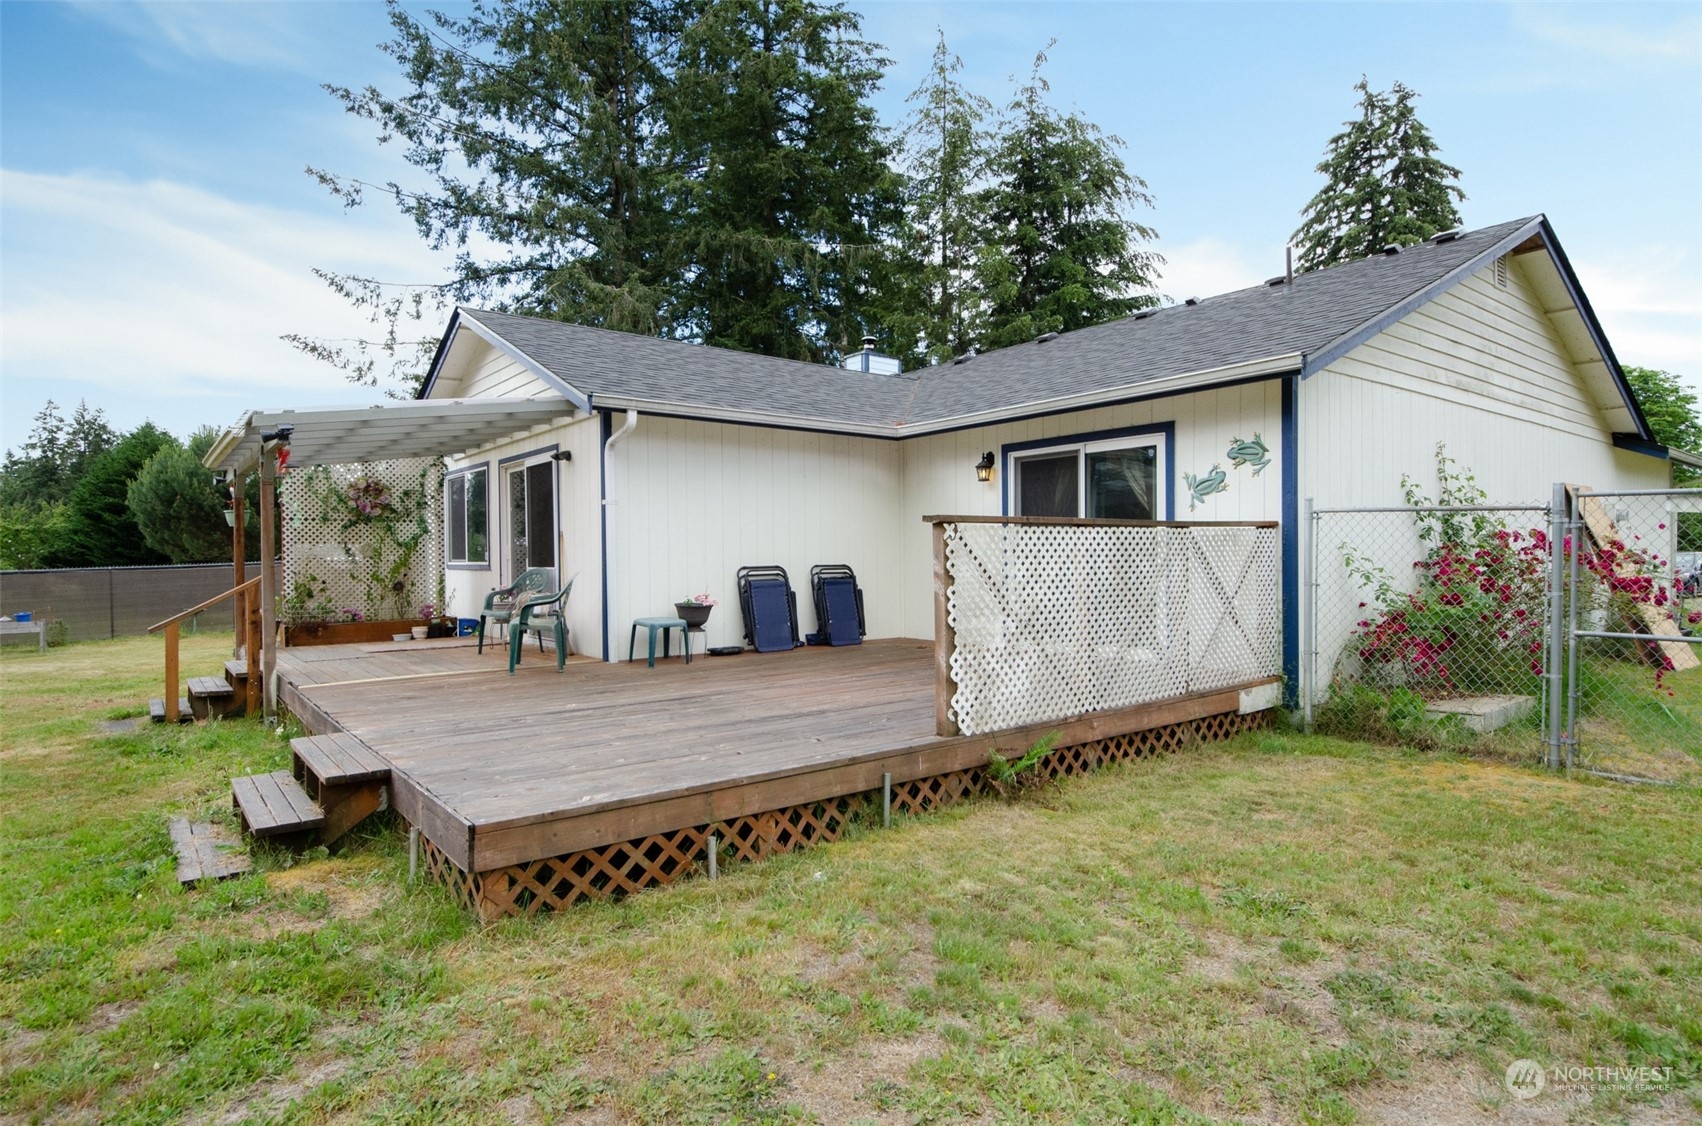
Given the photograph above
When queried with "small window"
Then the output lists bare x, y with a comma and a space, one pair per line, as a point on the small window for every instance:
1116, 479
466, 511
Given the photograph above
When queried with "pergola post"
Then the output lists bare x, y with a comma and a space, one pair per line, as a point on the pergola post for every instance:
269, 576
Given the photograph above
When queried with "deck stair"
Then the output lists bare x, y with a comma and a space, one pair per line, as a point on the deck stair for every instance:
334, 783
210, 696
156, 710
275, 805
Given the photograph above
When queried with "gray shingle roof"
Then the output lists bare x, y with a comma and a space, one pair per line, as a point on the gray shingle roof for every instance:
1319, 310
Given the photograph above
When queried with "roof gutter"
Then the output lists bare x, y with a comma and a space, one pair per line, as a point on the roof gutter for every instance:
1176, 384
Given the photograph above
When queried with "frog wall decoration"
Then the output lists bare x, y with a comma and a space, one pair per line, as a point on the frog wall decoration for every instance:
1199, 488
1254, 453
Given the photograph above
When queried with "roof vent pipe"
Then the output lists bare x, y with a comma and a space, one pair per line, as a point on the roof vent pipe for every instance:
1288, 264
1392, 249
868, 344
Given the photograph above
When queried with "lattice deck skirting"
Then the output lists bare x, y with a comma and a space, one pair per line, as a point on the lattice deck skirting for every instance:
556, 882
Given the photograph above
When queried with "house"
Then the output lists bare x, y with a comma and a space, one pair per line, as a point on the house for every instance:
669, 465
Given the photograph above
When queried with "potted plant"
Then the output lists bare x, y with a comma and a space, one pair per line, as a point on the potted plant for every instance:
435, 624
694, 609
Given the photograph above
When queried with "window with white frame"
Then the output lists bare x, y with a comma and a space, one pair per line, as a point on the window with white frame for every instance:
1110, 479
466, 516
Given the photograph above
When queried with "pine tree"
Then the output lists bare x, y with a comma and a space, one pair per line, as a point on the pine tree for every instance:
945, 147
541, 126
1059, 250
788, 203
178, 509
99, 529
1385, 184
700, 169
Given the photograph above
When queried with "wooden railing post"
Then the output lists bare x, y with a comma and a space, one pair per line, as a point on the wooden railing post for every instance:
238, 560
252, 655
945, 639
171, 713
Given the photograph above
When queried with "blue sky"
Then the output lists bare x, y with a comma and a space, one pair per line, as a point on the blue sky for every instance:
157, 231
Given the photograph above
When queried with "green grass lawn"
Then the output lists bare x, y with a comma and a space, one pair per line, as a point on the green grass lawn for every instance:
1280, 928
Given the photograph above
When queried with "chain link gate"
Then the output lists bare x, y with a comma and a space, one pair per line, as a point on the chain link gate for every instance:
1462, 627
1629, 652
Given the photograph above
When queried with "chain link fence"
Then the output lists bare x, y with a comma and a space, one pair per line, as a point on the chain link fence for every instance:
1428, 624
1463, 627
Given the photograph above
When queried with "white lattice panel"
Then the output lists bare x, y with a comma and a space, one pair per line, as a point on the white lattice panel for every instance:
1053, 621
347, 556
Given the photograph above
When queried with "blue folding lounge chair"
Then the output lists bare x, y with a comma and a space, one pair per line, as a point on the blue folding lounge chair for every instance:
770, 608
839, 605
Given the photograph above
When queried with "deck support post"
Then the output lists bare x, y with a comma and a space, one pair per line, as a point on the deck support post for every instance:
886, 800
714, 856
413, 852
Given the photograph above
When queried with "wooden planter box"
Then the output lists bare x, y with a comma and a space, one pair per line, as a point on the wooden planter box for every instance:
347, 633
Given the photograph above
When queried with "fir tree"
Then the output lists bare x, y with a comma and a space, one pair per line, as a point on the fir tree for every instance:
99, 529
944, 146
1059, 250
540, 125
788, 203
1385, 184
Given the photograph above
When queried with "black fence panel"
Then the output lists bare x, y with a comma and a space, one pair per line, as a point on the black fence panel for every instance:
96, 603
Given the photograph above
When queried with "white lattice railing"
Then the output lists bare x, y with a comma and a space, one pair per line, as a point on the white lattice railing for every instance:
1040, 620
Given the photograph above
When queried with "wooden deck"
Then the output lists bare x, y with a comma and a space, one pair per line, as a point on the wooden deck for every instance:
498, 771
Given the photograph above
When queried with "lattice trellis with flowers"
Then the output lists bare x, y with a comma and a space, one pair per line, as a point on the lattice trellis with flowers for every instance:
368, 537
1053, 621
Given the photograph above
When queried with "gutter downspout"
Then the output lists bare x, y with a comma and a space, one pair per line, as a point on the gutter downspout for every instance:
609, 526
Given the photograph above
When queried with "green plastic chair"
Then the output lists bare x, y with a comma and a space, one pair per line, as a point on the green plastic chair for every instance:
500, 605
553, 608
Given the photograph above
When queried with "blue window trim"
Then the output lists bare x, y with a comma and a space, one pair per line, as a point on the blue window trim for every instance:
1165, 429
465, 470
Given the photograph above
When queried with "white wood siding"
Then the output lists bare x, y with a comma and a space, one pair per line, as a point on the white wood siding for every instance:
475, 369
579, 542
1480, 368
694, 501
939, 475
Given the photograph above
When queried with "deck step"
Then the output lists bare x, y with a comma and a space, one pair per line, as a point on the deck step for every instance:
213, 696
156, 710
274, 804
206, 851
338, 759
236, 671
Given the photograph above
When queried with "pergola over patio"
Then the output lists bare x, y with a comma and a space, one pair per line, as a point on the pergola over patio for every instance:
329, 436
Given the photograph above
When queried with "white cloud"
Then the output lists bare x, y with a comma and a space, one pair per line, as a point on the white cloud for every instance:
1649, 300
248, 34
1681, 41
1208, 266
166, 292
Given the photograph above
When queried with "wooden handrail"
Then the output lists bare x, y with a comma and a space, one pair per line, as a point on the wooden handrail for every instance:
247, 597
213, 601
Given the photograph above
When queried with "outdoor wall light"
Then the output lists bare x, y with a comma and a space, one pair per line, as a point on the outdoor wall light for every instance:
984, 467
